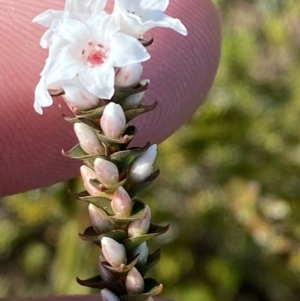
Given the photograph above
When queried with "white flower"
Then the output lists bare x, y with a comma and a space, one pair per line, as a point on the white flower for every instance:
74, 9
138, 16
93, 50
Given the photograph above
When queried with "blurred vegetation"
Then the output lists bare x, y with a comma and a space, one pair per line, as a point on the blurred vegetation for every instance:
229, 187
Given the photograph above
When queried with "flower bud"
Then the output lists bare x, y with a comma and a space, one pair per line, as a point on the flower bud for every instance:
107, 295
105, 274
99, 219
128, 76
88, 139
121, 203
134, 100
140, 226
134, 282
77, 96
107, 172
88, 174
113, 121
143, 252
114, 253
142, 167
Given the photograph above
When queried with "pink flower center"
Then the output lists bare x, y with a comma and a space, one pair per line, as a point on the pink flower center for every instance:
95, 54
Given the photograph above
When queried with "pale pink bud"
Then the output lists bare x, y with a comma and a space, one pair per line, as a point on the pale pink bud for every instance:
106, 275
88, 139
143, 252
113, 121
107, 172
88, 174
107, 295
114, 253
121, 203
134, 100
77, 96
128, 76
142, 167
140, 226
99, 219
134, 282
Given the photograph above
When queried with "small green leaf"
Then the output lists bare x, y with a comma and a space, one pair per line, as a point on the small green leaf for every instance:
100, 202
125, 158
154, 230
122, 93
97, 282
137, 187
78, 153
75, 152
138, 210
123, 268
132, 113
152, 260
91, 235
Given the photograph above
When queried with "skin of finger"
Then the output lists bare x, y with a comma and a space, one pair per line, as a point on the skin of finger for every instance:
181, 69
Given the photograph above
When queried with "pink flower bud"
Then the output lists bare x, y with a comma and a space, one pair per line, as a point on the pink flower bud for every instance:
88, 139
134, 282
77, 96
121, 203
107, 172
107, 295
99, 219
143, 252
140, 226
105, 274
142, 167
128, 76
113, 121
88, 174
114, 253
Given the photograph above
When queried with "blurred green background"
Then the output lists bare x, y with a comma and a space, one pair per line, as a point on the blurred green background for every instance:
229, 184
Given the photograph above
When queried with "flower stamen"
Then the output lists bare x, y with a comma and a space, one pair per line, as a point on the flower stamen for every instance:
95, 55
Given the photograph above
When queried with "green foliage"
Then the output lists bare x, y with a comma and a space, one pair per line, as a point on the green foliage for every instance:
229, 184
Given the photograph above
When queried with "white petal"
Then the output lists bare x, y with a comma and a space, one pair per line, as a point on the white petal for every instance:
99, 80
126, 50
155, 4
84, 6
102, 27
73, 31
46, 39
41, 96
163, 20
97, 6
64, 67
47, 17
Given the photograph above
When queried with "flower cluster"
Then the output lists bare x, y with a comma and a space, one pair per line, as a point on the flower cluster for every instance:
92, 52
